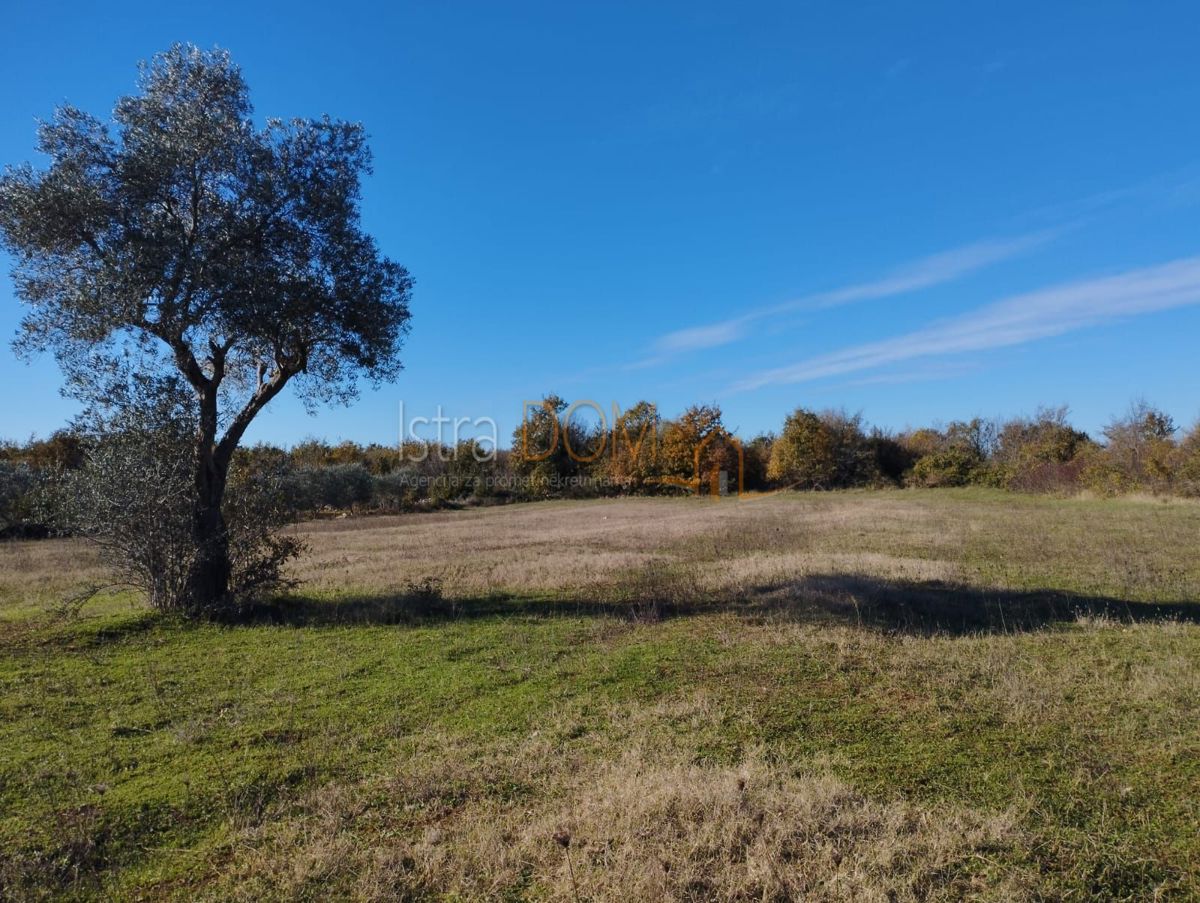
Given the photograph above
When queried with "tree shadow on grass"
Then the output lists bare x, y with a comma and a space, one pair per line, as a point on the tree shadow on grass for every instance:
890, 606
938, 607
67, 631
422, 608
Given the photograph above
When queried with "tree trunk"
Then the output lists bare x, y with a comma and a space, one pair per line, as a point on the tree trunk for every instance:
208, 582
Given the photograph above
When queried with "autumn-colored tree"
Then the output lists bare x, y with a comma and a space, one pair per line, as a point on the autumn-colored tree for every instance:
1187, 464
1039, 453
64, 449
697, 449
923, 441
1139, 452
546, 450
804, 455
956, 456
632, 459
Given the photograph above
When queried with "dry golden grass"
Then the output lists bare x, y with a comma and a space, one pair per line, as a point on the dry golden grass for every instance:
647, 825
35, 576
1134, 551
754, 831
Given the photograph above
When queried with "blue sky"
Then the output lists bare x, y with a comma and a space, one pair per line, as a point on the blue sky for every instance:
919, 211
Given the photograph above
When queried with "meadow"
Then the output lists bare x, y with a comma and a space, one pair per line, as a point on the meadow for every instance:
892, 695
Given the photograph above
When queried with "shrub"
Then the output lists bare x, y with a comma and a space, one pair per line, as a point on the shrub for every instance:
696, 450
853, 458
1187, 464
632, 461
541, 459
803, 456
957, 456
133, 496
397, 490
339, 486
17, 484
891, 459
469, 470
1039, 454
1139, 453
950, 466
757, 462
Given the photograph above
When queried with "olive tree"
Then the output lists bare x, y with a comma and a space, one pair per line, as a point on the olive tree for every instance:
184, 239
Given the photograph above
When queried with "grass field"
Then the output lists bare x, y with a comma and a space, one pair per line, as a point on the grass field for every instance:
860, 696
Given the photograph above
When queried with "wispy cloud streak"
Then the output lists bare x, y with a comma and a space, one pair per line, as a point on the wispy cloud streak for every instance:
698, 337
1012, 321
927, 272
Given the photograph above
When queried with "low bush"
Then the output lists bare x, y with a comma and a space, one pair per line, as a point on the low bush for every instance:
132, 495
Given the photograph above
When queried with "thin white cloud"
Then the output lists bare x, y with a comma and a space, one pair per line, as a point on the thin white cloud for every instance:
1012, 321
921, 374
1173, 188
697, 337
927, 272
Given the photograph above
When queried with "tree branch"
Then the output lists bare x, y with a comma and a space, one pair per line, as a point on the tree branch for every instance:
189, 366
258, 401
217, 354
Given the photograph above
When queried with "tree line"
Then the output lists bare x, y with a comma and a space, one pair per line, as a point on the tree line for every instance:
555, 455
